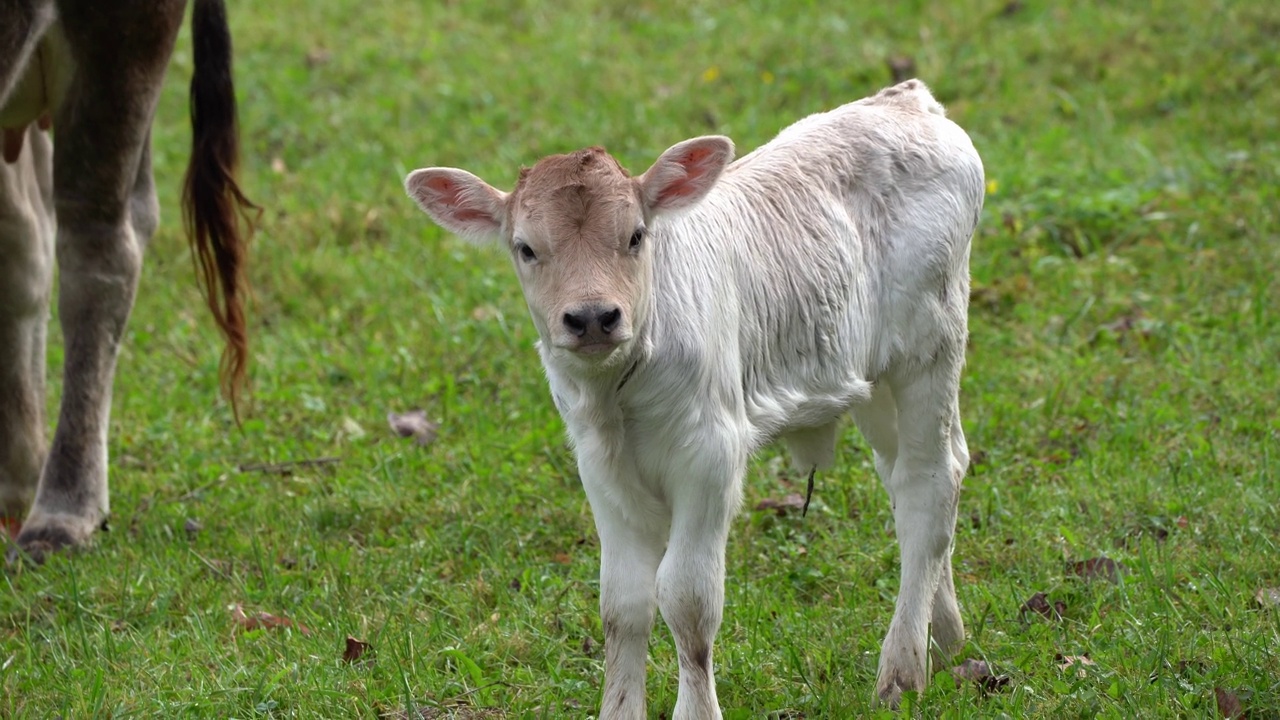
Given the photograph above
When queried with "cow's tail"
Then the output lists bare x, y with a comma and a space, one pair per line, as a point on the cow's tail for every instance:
218, 216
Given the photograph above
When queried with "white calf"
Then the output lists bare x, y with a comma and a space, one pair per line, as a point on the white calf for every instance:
694, 313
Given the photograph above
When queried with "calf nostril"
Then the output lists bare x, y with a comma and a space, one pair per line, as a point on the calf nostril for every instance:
576, 323
609, 320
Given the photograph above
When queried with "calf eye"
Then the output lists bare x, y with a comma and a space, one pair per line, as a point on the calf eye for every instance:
636, 237
526, 252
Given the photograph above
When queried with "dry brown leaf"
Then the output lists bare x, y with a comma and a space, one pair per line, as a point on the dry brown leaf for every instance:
1228, 703
979, 673
318, 56
263, 620
414, 424
792, 501
1066, 662
562, 557
1097, 568
1039, 604
355, 650
10, 526
1268, 597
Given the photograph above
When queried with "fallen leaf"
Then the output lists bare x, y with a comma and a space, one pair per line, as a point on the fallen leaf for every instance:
318, 56
792, 501
355, 649
1039, 604
352, 429
1066, 662
1267, 597
263, 620
414, 424
192, 527
1095, 568
1228, 703
484, 313
979, 673
562, 558
10, 526
1011, 8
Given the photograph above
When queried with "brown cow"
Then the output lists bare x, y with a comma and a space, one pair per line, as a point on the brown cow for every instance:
94, 70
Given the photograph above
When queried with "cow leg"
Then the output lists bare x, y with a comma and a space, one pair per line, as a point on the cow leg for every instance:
26, 276
22, 22
121, 51
923, 487
703, 497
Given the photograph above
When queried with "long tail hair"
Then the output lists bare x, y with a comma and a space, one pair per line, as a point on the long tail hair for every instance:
218, 217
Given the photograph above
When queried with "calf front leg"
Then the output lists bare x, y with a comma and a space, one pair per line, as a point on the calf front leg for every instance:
703, 494
632, 526
26, 274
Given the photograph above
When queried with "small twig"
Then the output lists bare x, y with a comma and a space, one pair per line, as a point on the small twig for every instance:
193, 492
285, 468
456, 700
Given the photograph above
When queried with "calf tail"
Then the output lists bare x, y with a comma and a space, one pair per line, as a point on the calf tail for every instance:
218, 216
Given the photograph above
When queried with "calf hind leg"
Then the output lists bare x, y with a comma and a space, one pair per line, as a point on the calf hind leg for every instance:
923, 487
948, 627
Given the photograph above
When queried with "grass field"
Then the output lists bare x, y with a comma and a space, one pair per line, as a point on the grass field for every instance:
1121, 394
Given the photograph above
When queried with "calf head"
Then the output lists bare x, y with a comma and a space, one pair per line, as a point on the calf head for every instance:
576, 227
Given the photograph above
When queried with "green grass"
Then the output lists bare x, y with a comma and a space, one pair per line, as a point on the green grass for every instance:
1121, 394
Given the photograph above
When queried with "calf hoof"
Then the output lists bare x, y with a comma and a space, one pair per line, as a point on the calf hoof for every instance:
893, 681
889, 691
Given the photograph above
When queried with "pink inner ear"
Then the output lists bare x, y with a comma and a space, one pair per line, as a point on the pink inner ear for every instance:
467, 215
694, 164
676, 189
445, 187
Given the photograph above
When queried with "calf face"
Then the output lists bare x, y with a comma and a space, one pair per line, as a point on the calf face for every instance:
576, 228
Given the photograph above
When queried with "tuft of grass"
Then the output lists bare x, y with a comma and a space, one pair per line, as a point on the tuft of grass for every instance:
1120, 396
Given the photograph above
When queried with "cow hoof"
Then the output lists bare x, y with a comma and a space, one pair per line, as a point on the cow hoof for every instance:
36, 544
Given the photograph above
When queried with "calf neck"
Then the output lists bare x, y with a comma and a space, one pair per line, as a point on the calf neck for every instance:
693, 313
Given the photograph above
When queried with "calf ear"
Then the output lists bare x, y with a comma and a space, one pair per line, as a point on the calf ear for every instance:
685, 173
459, 202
